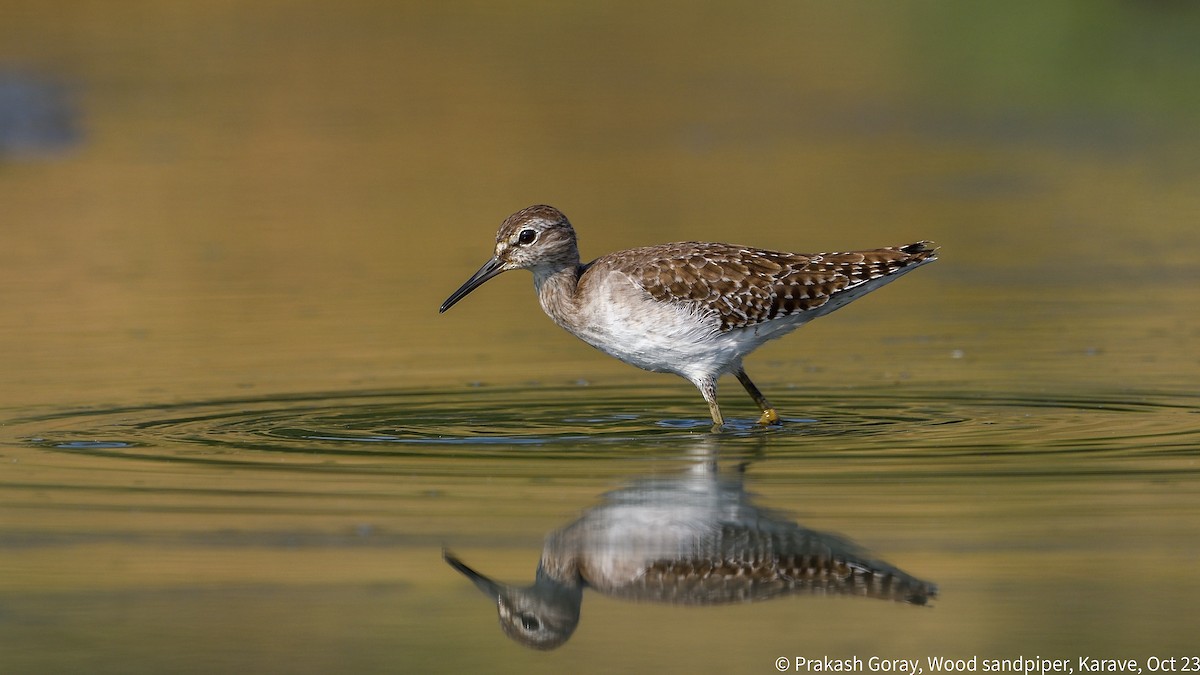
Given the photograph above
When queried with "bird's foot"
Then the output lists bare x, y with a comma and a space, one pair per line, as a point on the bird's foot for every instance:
769, 418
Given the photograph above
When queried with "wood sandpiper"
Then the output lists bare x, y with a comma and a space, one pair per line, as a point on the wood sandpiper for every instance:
693, 539
695, 309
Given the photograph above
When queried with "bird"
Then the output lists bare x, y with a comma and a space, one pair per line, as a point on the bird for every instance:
695, 309
696, 538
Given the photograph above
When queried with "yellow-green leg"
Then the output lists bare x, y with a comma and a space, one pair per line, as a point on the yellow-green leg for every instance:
708, 389
769, 416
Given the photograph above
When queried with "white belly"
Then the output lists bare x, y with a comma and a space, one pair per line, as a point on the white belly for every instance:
620, 320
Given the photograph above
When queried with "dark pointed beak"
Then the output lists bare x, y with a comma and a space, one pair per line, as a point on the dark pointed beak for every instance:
490, 269
490, 588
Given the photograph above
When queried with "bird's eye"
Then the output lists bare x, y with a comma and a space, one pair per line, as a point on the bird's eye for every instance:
529, 621
526, 237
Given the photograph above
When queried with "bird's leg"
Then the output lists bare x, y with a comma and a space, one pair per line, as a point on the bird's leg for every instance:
708, 389
769, 416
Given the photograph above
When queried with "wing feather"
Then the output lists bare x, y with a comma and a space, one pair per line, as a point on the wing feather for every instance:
743, 286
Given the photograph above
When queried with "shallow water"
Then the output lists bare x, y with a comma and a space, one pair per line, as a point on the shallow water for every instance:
305, 532
235, 435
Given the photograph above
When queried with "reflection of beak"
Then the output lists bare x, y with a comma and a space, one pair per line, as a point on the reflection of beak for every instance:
490, 588
490, 269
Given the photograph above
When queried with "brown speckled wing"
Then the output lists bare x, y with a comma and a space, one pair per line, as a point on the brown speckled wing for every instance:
746, 565
747, 286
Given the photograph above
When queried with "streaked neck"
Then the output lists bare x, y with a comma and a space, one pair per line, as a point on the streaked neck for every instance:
556, 292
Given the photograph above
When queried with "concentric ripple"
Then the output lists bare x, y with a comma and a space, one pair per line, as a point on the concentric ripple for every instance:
583, 421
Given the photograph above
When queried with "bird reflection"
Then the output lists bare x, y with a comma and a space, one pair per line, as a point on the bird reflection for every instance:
691, 539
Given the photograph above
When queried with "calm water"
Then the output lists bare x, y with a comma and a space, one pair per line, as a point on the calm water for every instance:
235, 436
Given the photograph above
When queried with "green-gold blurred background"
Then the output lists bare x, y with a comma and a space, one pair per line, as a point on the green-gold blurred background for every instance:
281, 193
